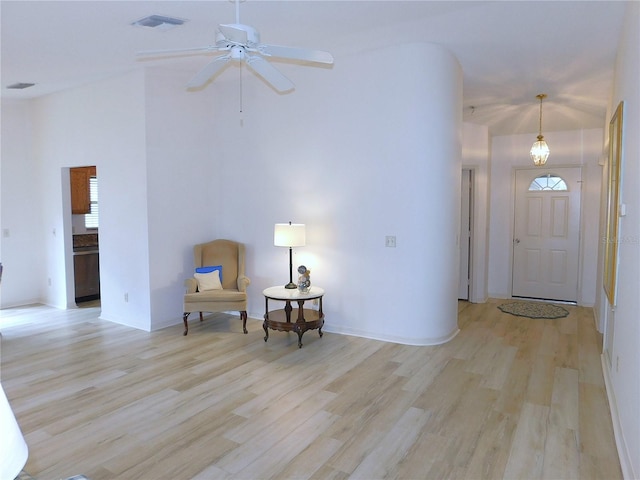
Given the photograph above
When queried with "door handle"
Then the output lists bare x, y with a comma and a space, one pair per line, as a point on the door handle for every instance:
516, 241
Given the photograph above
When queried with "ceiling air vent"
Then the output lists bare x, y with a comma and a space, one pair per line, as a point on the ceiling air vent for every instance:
159, 22
20, 86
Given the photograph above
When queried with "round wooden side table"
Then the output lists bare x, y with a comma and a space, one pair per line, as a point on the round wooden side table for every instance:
280, 319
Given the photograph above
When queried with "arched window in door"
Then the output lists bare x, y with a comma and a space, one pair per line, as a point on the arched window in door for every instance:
548, 182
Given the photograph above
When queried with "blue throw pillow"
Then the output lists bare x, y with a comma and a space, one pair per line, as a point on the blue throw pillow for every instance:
210, 269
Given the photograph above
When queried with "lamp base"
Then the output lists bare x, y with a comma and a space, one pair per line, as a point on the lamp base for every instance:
290, 285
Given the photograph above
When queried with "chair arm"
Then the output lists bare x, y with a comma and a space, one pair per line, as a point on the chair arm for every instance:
243, 283
191, 284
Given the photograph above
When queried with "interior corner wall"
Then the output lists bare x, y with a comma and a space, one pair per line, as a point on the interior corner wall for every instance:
182, 184
569, 148
475, 156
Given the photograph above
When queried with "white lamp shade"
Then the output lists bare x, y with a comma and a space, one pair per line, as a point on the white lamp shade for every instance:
13, 448
289, 235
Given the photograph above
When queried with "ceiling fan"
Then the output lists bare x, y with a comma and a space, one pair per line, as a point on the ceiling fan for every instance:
242, 43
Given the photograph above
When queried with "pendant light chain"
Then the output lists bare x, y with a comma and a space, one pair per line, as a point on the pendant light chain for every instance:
540, 128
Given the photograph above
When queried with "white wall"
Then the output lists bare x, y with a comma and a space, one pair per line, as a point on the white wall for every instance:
182, 184
101, 124
579, 147
356, 154
621, 359
20, 214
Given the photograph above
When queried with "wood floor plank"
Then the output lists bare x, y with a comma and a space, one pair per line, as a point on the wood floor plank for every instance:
261, 442
428, 367
540, 386
282, 453
561, 457
508, 397
384, 460
598, 456
427, 450
514, 390
311, 460
489, 458
564, 398
526, 457
360, 427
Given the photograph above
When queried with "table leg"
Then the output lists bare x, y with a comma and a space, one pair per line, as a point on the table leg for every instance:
287, 310
301, 311
321, 316
266, 317
300, 323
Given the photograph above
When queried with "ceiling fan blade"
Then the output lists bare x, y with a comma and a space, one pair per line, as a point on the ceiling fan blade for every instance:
173, 51
317, 56
270, 73
234, 34
208, 71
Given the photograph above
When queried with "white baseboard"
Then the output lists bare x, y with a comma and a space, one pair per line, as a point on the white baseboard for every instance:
422, 342
621, 445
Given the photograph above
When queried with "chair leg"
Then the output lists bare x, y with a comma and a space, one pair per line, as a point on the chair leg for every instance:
243, 317
186, 326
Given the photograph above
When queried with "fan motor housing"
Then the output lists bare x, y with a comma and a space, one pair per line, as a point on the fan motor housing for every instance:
253, 36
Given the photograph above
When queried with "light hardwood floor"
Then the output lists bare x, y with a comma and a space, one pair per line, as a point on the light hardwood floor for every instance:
509, 397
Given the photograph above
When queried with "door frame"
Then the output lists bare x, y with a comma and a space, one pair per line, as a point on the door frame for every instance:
471, 193
580, 225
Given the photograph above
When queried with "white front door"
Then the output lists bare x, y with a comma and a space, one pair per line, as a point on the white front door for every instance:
547, 233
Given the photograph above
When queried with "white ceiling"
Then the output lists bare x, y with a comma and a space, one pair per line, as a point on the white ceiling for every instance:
509, 50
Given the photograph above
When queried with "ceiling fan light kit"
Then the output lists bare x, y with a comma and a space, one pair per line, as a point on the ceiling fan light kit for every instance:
241, 43
540, 150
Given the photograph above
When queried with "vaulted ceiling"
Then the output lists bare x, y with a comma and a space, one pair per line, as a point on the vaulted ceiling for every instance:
509, 51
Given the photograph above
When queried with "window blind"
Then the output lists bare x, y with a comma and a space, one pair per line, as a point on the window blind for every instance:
91, 219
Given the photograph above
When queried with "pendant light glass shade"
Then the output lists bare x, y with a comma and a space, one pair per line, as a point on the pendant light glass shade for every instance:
540, 150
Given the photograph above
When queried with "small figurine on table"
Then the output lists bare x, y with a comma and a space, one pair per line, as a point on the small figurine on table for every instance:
304, 280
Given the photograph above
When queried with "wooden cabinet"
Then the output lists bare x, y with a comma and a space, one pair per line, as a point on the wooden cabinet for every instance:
80, 198
86, 269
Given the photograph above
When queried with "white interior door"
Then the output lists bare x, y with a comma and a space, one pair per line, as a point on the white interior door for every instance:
465, 236
547, 233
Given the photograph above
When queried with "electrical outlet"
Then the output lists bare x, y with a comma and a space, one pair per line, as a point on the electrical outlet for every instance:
315, 301
126, 297
390, 241
49, 281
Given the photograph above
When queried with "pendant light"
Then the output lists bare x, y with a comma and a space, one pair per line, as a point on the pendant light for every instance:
540, 150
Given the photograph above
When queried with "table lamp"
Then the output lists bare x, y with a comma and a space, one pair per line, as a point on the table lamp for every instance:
13, 448
289, 235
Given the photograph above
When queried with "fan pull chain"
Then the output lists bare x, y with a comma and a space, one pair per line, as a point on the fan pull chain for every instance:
240, 87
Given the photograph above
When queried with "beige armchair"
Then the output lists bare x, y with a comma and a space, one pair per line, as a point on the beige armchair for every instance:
230, 293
